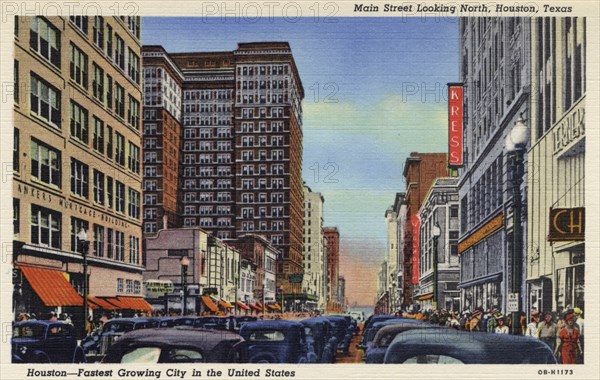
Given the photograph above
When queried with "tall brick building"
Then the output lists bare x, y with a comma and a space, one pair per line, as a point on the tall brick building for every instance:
332, 238
420, 171
241, 145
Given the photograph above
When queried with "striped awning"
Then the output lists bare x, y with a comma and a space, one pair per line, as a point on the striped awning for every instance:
135, 303
256, 307
425, 297
209, 303
225, 304
242, 306
51, 286
275, 306
101, 303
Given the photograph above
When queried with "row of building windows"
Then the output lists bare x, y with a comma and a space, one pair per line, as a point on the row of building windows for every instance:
131, 286
208, 94
46, 228
262, 70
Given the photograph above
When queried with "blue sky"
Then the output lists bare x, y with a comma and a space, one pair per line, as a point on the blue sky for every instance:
374, 92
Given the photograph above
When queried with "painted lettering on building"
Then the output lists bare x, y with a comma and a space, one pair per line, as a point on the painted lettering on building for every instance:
483, 232
455, 124
415, 222
566, 224
570, 128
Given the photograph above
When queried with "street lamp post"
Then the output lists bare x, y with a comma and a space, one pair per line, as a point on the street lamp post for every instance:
435, 232
264, 284
184, 267
515, 144
236, 281
281, 291
83, 241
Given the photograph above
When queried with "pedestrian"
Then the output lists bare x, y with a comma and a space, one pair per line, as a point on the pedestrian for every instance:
579, 324
68, 320
532, 327
491, 320
501, 327
453, 322
547, 330
568, 341
53, 317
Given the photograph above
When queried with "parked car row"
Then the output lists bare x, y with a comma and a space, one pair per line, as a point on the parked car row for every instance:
393, 340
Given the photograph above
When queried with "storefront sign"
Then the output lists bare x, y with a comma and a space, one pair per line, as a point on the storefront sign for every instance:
512, 303
415, 222
295, 278
488, 229
570, 128
455, 124
159, 286
567, 224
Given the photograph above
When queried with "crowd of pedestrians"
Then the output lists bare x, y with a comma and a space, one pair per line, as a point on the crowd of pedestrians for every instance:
563, 333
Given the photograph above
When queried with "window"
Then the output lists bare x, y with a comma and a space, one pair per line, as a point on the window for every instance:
119, 285
136, 287
78, 67
109, 142
79, 122
134, 250
98, 31
128, 286
81, 22
120, 197
109, 91
45, 100
109, 193
133, 22
98, 187
98, 241
98, 83
45, 226
454, 211
16, 215
16, 150
98, 138
76, 225
133, 113
79, 178
133, 161
119, 100
16, 82
134, 204
109, 40
119, 149
133, 65
45, 39
45, 163
110, 247
120, 52
119, 246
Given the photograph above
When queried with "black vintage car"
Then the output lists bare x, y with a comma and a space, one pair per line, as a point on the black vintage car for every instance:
96, 344
449, 346
322, 345
176, 345
278, 341
45, 342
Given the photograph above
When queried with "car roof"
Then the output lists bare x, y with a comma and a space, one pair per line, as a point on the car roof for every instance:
395, 329
179, 335
469, 347
38, 322
271, 324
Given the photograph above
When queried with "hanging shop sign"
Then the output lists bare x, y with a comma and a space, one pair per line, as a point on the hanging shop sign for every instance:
455, 125
566, 224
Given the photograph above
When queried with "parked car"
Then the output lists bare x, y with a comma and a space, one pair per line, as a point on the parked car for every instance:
45, 342
96, 344
369, 334
227, 323
319, 334
185, 321
386, 334
450, 346
240, 319
342, 331
176, 345
373, 319
275, 341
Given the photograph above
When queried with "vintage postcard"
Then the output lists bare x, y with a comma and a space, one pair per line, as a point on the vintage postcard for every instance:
302, 189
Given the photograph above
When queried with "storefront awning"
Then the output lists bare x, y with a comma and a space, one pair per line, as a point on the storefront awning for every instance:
275, 306
256, 307
209, 303
242, 306
101, 303
225, 304
52, 286
425, 297
114, 301
135, 303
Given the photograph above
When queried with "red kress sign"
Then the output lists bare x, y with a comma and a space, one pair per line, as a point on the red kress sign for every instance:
455, 124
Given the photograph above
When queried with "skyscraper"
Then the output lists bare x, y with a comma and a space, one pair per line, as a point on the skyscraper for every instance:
241, 146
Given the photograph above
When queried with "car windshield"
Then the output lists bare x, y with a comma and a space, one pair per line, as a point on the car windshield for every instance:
432, 359
157, 355
142, 355
29, 331
118, 327
267, 336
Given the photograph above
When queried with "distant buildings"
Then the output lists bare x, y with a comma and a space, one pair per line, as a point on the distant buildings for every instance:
332, 239
314, 254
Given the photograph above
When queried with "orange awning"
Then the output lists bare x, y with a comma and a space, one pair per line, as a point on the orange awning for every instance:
114, 301
225, 304
425, 297
100, 303
275, 306
52, 286
256, 307
242, 306
209, 303
135, 303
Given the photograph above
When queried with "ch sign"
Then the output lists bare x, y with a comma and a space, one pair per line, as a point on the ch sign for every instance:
455, 124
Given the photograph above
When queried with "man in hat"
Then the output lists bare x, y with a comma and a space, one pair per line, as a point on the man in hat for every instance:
532, 327
501, 327
53, 317
491, 320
